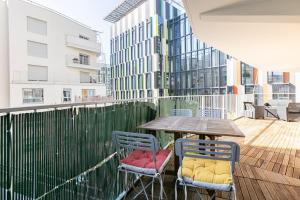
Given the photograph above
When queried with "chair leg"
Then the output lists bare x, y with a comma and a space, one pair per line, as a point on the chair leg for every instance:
233, 193
145, 192
161, 195
126, 186
152, 188
185, 192
176, 189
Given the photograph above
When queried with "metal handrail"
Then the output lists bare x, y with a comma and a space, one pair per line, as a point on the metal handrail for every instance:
99, 103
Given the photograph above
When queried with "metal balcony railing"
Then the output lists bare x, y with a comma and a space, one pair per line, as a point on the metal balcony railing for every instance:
65, 151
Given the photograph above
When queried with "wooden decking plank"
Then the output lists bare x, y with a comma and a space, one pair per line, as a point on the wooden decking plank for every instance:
284, 189
238, 189
294, 191
250, 188
244, 189
257, 190
289, 171
264, 190
272, 190
283, 169
276, 167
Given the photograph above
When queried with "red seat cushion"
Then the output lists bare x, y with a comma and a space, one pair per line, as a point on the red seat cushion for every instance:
144, 159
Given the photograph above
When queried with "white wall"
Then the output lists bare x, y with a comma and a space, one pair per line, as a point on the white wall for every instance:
297, 84
53, 94
4, 64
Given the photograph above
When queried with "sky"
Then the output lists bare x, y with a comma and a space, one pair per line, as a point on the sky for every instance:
89, 12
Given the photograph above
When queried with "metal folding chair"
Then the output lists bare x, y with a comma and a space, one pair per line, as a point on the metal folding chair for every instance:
202, 154
182, 112
139, 154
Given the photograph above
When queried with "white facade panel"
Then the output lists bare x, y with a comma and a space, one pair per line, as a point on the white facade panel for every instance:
4, 61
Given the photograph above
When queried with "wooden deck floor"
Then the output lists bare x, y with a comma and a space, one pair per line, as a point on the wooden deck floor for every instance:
269, 166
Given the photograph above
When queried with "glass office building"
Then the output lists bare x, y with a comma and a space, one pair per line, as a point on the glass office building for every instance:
155, 53
195, 67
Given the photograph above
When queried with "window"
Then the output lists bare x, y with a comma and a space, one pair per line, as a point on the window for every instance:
247, 74
37, 73
36, 26
223, 76
207, 58
141, 31
149, 28
275, 77
201, 78
149, 64
84, 77
133, 35
37, 49
194, 79
141, 82
200, 59
133, 82
141, 94
149, 93
215, 58
84, 59
33, 95
141, 65
88, 93
183, 80
215, 77
148, 81
67, 95
208, 78
223, 59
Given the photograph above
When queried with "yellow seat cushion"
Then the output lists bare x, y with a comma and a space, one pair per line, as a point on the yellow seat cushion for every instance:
206, 170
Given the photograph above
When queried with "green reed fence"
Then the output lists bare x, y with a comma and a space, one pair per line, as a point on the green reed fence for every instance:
62, 153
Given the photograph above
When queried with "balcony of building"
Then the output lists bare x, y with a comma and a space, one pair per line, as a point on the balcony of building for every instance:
66, 151
83, 43
76, 62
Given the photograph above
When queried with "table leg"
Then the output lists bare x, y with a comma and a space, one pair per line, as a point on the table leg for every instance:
201, 137
152, 133
212, 192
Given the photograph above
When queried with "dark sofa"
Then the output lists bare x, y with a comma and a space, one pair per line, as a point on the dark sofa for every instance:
293, 112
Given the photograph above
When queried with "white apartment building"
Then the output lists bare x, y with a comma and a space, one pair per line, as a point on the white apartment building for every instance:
46, 57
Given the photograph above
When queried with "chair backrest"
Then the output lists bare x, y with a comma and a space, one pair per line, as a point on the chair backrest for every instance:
127, 142
213, 113
135, 141
208, 149
182, 112
248, 106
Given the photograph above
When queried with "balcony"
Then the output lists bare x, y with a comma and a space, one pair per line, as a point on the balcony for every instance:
66, 151
73, 61
76, 42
